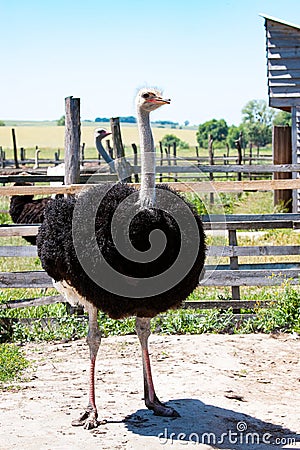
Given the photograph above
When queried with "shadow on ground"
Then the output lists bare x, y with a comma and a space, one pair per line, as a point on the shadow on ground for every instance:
207, 424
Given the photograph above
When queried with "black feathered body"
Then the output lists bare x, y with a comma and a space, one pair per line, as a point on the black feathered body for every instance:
62, 259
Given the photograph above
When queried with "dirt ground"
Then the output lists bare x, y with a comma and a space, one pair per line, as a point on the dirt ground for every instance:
232, 392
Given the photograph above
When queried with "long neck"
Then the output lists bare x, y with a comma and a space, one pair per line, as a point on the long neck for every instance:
147, 192
105, 155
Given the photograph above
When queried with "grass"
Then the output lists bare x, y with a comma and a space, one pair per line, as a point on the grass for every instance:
12, 363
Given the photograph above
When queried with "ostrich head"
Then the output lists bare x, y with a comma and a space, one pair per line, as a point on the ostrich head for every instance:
150, 99
101, 133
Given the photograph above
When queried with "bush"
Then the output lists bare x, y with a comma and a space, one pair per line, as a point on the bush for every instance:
61, 121
170, 139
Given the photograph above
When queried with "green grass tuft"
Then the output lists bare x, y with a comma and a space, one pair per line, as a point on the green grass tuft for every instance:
12, 363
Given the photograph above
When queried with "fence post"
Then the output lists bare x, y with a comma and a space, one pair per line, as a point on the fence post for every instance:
282, 154
109, 149
15, 148
161, 160
135, 161
122, 166
175, 160
22, 154
234, 265
2, 158
72, 158
82, 154
72, 141
211, 162
239, 146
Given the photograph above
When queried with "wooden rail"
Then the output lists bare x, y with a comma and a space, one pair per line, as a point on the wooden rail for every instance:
202, 187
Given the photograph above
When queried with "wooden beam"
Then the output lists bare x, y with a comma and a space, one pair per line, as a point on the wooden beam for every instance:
225, 304
72, 140
15, 148
197, 187
261, 277
29, 279
18, 251
18, 230
47, 300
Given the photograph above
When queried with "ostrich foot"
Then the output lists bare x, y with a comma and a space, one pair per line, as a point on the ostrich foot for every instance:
160, 409
88, 420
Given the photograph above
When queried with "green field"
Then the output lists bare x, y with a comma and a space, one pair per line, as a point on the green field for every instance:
48, 135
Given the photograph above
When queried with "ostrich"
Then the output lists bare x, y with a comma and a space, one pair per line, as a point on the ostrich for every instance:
101, 133
23, 209
82, 246
120, 166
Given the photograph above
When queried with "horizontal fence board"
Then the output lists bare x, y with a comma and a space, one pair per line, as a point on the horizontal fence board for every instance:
18, 251
256, 266
39, 279
40, 301
18, 230
201, 187
258, 225
213, 250
211, 222
225, 304
249, 277
208, 304
29, 279
264, 250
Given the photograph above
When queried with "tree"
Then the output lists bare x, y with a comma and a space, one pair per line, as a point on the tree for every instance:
61, 121
258, 111
169, 139
217, 128
257, 122
283, 118
2, 124
233, 135
258, 134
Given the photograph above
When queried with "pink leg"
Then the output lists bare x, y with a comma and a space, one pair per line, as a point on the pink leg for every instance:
151, 400
89, 418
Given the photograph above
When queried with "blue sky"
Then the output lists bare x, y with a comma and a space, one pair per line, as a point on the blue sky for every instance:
207, 56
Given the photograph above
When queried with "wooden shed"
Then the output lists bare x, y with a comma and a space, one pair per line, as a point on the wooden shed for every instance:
283, 59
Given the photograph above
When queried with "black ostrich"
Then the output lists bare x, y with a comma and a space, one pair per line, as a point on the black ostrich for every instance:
23, 209
125, 252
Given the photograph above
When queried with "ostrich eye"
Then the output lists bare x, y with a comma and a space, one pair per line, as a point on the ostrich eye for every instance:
146, 95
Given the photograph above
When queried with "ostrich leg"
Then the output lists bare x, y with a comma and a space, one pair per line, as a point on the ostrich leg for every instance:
89, 418
151, 400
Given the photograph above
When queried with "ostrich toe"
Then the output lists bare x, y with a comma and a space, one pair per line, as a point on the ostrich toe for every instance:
88, 420
160, 409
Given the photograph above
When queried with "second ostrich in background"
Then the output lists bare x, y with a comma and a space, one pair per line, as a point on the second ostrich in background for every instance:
125, 252
24, 209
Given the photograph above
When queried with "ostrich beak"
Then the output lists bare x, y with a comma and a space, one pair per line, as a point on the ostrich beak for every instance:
159, 100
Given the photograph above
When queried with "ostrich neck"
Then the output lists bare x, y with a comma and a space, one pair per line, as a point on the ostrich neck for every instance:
147, 192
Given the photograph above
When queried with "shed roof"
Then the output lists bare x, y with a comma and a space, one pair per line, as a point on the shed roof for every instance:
283, 62
283, 22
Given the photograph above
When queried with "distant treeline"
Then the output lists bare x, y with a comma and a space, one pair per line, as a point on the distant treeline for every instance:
132, 119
